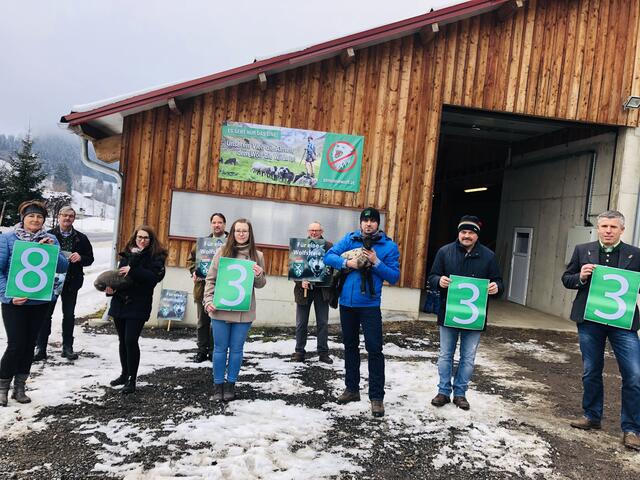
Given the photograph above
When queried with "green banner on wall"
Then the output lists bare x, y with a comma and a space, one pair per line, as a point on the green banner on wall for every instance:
290, 156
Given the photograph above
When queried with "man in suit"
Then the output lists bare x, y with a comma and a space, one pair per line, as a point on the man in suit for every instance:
609, 250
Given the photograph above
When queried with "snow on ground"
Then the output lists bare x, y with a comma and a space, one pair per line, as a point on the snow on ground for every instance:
94, 224
90, 205
269, 437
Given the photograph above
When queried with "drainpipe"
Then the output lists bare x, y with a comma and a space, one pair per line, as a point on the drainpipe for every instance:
118, 178
636, 227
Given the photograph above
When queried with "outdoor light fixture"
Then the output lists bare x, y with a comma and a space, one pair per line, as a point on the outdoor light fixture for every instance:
632, 102
477, 189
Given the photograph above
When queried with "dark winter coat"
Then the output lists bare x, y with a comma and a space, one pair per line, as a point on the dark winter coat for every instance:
453, 259
146, 272
328, 293
82, 246
629, 259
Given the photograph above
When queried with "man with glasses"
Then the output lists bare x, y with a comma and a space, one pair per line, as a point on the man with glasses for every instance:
205, 337
306, 294
78, 250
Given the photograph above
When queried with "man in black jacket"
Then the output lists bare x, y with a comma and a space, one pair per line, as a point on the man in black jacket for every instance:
78, 250
465, 257
609, 250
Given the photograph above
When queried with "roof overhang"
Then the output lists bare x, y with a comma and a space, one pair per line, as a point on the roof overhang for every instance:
105, 118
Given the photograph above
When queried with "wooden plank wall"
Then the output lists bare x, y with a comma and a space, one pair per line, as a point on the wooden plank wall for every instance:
569, 59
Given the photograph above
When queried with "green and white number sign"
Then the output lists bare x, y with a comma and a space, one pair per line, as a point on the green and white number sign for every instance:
466, 303
612, 296
234, 285
32, 270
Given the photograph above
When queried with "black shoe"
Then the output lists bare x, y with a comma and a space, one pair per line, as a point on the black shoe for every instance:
229, 392
325, 358
200, 357
129, 387
217, 392
297, 357
68, 353
40, 354
121, 380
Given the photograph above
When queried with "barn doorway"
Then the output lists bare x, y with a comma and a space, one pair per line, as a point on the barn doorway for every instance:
477, 154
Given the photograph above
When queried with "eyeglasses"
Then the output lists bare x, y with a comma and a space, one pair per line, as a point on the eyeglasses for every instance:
314, 231
141, 237
67, 215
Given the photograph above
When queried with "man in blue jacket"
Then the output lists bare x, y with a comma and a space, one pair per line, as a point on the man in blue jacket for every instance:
360, 303
465, 257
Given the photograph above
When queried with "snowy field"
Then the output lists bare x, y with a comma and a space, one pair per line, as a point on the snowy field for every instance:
286, 424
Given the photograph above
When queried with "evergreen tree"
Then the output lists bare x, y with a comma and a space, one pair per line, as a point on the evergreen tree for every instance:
25, 180
62, 178
4, 190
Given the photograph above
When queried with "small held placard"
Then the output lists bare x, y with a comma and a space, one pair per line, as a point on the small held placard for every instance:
234, 285
32, 270
612, 296
466, 303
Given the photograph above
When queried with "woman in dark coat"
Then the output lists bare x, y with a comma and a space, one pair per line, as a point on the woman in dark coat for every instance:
22, 317
143, 262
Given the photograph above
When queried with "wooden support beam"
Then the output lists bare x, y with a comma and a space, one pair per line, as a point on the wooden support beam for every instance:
509, 9
428, 33
262, 79
174, 106
108, 149
347, 57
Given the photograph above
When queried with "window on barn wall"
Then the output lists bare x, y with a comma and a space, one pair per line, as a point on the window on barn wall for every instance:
273, 222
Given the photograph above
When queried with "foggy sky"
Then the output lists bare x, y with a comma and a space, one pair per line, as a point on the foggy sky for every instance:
58, 53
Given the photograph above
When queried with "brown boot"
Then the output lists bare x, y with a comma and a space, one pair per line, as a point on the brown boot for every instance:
377, 408
325, 358
18, 394
348, 396
461, 403
440, 400
583, 423
297, 357
631, 440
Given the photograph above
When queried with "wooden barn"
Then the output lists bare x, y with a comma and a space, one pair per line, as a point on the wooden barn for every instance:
522, 112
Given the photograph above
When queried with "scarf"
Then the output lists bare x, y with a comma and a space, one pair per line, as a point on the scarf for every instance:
27, 236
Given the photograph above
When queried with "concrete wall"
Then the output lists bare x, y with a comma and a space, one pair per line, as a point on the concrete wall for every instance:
546, 190
626, 184
275, 305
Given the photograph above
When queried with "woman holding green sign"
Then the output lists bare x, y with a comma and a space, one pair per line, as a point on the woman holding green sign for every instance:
21, 283
231, 321
143, 262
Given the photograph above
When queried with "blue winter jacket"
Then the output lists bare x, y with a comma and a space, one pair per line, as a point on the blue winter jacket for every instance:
6, 249
387, 269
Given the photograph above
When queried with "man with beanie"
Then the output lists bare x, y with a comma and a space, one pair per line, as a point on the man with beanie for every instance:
360, 303
218, 223
465, 257
78, 250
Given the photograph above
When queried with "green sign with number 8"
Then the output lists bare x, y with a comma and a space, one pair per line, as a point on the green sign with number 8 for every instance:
32, 270
612, 296
466, 303
234, 285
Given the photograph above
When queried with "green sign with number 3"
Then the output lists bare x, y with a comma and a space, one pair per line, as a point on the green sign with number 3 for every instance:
612, 296
32, 270
234, 285
466, 303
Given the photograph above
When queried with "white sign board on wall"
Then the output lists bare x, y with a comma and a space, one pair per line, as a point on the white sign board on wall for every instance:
274, 223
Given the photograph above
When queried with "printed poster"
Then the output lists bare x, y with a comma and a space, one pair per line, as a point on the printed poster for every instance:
306, 261
290, 156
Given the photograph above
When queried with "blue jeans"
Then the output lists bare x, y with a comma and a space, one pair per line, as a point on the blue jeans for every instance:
469, 340
626, 347
230, 338
371, 320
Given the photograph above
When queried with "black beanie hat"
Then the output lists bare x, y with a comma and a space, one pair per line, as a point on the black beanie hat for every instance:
470, 222
370, 213
33, 207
